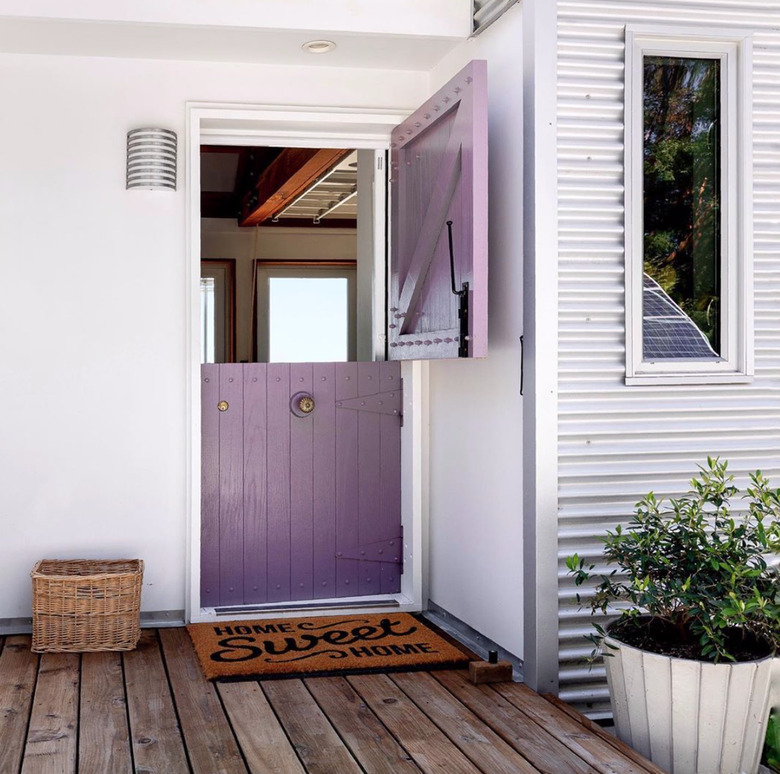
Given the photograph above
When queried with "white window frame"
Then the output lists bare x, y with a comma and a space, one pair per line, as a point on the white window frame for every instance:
734, 50
222, 307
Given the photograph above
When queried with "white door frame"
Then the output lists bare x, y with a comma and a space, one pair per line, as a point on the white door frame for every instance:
312, 127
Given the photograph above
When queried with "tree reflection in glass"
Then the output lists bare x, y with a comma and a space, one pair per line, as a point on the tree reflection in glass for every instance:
682, 160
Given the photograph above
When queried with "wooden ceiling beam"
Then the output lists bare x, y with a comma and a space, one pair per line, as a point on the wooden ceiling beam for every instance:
287, 176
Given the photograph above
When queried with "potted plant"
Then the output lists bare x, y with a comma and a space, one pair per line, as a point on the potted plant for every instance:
772, 749
690, 657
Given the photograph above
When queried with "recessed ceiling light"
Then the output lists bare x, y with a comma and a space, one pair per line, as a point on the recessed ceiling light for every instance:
319, 46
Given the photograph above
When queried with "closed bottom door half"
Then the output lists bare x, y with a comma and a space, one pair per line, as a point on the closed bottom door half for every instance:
301, 482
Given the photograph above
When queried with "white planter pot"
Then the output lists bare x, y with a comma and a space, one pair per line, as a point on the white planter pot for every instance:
690, 717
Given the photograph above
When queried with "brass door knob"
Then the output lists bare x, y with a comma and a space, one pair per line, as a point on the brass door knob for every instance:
223, 405
302, 404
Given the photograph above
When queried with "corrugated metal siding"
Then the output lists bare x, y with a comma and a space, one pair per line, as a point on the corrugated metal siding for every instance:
485, 12
617, 442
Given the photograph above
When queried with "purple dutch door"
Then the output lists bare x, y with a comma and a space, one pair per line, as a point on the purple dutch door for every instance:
308, 507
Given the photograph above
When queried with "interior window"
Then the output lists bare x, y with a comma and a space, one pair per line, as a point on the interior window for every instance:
306, 314
217, 311
308, 319
208, 319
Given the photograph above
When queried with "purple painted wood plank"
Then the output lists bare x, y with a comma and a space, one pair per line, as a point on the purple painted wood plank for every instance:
347, 515
255, 483
369, 477
439, 166
390, 479
390, 578
231, 485
278, 550
324, 480
301, 488
209, 501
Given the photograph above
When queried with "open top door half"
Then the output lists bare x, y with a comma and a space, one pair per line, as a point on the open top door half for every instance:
438, 281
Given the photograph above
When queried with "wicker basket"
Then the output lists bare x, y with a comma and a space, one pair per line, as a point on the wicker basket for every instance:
86, 605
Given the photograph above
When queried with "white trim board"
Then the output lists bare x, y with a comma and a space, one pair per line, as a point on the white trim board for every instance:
540, 330
290, 126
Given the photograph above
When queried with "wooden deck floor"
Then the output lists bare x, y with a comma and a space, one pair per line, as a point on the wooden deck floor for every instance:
151, 711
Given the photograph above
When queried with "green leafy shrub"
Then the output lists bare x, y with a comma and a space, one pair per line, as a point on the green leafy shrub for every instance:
695, 576
772, 749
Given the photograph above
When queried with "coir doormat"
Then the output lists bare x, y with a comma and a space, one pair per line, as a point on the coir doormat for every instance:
325, 645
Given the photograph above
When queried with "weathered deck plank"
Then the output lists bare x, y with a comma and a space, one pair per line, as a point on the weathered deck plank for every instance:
52, 735
210, 742
157, 743
431, 750
595, 729
104, 739
265, 745
371, 743
486, 749
319, 746
537, 746
601, 756
18, 670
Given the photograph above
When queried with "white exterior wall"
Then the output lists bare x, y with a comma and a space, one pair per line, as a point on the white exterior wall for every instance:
476, 537
93, 380
615, 442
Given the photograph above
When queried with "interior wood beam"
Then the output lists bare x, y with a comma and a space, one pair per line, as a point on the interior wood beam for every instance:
286, 177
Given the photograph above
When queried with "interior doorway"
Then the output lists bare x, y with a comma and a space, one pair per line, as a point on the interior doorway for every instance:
295, 226
301, 444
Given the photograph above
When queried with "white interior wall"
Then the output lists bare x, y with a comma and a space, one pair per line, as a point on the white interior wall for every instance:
475, 406
224, 238
93, 420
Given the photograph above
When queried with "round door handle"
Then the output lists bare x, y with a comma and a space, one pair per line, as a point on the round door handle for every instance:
223, 405
302, 404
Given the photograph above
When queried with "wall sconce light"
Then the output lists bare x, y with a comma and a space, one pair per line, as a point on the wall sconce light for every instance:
151, 159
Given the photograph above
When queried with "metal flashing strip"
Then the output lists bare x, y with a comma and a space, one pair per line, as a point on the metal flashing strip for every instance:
471, 638
162, 619
312, 605
152, 619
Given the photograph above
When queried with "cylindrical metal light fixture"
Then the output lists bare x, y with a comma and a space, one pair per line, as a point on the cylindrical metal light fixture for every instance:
151, 159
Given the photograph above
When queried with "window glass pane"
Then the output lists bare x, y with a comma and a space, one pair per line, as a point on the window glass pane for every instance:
208, 319
682, 246
308, 319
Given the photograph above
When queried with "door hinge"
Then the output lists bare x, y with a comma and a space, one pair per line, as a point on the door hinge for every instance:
389, 551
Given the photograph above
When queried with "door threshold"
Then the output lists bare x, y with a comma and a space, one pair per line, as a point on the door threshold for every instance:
314, 604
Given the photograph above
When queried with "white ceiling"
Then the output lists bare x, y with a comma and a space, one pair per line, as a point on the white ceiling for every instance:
416, 18
223, 44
